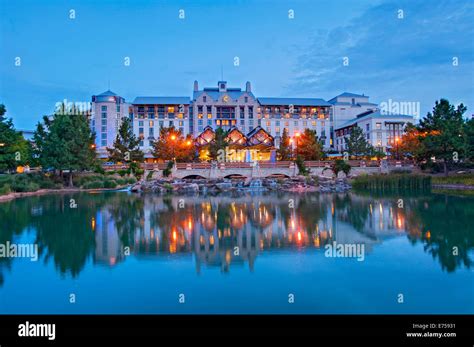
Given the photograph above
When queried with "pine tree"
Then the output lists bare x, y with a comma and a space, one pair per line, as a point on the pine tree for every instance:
284, 152
443, 132
126, 145
218, 146
309, 147
357, 144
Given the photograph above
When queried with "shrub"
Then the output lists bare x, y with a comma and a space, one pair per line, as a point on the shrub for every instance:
301, 166
341, 165
99, 169
110, 173
110, 184
131, 180
122, 172
5, 189
149, 176
167, 170
24, 186
93, 185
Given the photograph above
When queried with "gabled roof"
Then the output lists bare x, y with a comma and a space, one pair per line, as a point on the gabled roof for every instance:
206, 137
215, 94
235, 137
293, 101
161, 100
259, 137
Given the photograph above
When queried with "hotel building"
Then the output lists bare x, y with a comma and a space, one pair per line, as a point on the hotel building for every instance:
254, 124
383, 131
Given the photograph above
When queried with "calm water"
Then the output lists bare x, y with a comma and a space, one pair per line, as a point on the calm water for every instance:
123, 253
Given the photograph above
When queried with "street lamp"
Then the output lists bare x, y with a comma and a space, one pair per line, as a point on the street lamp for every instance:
173, 138
397, 140
297, 136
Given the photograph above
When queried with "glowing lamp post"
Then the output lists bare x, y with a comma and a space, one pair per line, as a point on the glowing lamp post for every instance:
297, 137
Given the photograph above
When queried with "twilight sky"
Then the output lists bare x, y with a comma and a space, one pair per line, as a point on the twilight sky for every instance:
409, 59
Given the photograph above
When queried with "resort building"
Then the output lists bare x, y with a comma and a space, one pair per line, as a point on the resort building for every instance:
347, 106
108, 110
383, 131
253, 126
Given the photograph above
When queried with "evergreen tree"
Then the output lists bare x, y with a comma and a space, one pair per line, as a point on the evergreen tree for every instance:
219, 145
284, 152
126, 145
309, 147
443, 132
357, 145
14, 149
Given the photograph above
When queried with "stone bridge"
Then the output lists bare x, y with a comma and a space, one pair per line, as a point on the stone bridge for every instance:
264, 169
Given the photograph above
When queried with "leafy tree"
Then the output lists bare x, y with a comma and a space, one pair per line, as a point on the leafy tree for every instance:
218, 145
308, 146
410, 144
172, 145
357, 145
126, 145
443, 132
284, 152
14, 149
65, 142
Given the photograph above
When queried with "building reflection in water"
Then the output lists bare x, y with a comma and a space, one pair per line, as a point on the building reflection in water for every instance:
223, 231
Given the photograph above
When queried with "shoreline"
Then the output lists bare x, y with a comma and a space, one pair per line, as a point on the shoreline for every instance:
294, 189
16, 195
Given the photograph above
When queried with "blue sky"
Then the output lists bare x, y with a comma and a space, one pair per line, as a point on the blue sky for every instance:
407, 59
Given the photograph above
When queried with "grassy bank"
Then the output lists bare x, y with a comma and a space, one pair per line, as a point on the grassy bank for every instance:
32, 182
464, 179
392, 183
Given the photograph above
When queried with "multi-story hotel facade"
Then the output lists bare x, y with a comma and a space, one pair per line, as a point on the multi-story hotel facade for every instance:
255, 124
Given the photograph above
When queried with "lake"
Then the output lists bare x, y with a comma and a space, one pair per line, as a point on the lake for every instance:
117, 252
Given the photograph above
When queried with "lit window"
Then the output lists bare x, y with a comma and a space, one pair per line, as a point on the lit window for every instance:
170, 109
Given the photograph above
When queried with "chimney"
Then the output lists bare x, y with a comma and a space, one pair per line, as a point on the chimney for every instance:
196, 86
248, 89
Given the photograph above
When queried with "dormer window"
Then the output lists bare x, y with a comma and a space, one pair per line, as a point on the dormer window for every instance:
222, 85
204, 99
353, 101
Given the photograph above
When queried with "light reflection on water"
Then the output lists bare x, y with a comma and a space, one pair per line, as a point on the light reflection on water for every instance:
228, 234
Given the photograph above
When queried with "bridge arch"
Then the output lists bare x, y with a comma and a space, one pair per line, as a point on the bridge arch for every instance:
236, 176
277, 175
193, 177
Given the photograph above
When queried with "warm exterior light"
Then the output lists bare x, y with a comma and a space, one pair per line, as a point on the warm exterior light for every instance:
188, 143
93, 146
173, 137
297, 134
2, 145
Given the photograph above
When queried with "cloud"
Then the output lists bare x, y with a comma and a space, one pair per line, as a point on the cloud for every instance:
391, 57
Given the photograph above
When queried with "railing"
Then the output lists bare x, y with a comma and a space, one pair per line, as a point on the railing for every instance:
262, 164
